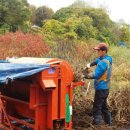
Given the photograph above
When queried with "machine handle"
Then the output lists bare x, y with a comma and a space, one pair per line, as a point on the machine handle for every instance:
76, 84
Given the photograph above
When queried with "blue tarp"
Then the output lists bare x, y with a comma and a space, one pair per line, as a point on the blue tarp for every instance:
4, 61
14, 71
122, 44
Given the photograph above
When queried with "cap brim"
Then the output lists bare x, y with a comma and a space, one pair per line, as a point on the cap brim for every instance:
96, 48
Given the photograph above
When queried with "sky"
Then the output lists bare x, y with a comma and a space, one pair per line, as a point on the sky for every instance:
117, 9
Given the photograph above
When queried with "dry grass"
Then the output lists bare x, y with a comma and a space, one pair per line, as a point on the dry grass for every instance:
119, 102
77, 54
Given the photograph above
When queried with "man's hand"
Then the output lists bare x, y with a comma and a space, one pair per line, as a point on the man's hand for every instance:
85, 71
86, 74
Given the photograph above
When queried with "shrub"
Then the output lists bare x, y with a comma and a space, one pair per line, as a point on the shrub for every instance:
19, 44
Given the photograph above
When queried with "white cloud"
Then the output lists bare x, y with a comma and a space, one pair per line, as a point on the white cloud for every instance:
55, 5
120, 9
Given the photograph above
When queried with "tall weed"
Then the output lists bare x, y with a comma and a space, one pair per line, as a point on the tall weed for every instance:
121, 67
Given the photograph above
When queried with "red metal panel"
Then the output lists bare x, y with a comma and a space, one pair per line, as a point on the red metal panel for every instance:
41, 110
62, 97
48, 84
32, 96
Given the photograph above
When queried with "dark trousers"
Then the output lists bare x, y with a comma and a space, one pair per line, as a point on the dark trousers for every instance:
100, 107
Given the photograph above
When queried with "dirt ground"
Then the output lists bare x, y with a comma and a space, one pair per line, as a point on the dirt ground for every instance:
104, 128
88, 126
119, 106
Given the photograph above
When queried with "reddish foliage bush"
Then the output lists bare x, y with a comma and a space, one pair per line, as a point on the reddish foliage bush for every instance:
84, 51
19, 44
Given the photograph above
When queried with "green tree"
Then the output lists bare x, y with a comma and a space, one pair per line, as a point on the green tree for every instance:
82, 27
103, 23
125, 33
42, 13
32, 9
80, 4
100, 18
53, 29
65, 13
14, 13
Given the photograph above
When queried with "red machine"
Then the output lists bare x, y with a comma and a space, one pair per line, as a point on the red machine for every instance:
42, 101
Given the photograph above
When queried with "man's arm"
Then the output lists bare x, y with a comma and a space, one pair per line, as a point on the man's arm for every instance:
95, 62
99, 71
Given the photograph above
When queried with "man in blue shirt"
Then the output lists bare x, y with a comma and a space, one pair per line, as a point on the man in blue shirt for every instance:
101, 77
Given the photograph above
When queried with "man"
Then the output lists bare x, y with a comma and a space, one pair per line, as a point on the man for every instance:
101, 78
